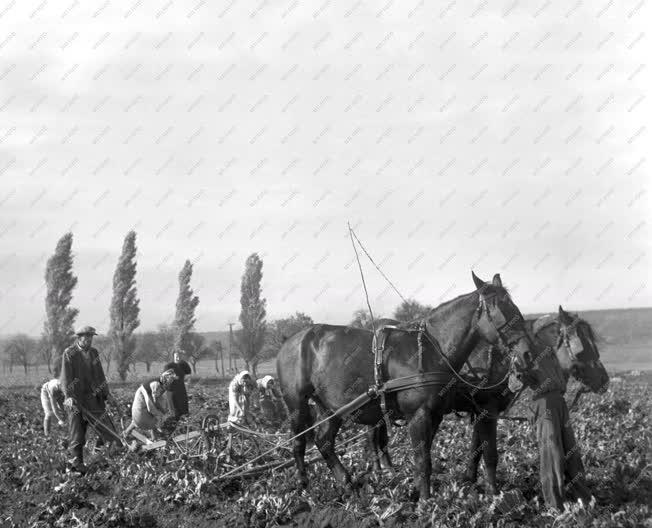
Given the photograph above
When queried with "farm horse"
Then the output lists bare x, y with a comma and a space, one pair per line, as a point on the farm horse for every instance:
333, 365
576, 349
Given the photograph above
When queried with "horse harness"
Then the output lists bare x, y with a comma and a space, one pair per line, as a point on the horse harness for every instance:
492, 327
573, 344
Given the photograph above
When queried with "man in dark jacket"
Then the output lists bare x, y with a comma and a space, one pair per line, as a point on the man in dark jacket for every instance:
86, 391
561, 471
176, 394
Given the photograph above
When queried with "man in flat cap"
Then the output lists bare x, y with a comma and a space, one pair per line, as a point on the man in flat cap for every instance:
86, 391
561, 472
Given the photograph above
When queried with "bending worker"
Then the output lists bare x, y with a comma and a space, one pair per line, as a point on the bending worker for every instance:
150, 404
52, 403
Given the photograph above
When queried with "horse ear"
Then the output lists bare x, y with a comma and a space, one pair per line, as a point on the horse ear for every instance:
564, 318
479, 283
496, 281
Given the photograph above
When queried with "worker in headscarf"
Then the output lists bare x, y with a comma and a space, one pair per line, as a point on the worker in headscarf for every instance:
177, 395
267, 397
52, 403
560, 463
240, 390
150, 404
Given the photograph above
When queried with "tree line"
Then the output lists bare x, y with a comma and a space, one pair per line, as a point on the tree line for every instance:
122, 347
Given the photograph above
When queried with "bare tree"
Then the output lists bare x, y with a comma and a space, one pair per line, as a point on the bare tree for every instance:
147, 349
166, 336
196, 349
21, 350
280, 329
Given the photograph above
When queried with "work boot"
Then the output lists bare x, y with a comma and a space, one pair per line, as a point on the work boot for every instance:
77, 466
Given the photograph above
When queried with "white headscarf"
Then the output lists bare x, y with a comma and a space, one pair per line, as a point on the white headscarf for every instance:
238, 377
265, 381
168, 377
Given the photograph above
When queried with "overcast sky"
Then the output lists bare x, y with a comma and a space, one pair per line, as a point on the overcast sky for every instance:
500, 136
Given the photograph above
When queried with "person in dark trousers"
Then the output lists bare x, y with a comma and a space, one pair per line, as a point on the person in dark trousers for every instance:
176, 394
561, 471
86, 392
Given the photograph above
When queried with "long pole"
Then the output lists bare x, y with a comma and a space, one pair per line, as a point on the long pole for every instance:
231, 358
222, 359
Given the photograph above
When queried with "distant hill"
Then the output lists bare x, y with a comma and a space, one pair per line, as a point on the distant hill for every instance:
625, 337
627, 326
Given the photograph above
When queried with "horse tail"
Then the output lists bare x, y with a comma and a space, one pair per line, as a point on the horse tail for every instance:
293, 371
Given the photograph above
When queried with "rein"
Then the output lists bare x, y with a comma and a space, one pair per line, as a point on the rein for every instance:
573, 345
497, 328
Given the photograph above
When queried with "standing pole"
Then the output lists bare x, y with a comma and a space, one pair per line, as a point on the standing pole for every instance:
222, 359
231, 358
364, 284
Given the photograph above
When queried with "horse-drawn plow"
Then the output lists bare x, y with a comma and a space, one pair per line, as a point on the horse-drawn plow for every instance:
222, 450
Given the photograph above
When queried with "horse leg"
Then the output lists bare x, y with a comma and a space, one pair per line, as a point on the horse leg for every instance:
372, 446
325, 441
488, 439
381, 446
377, 440
422, 429
301, 422
475, 453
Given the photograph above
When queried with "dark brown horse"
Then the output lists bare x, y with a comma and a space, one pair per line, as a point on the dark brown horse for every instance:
333, 365
484, 396
488, 366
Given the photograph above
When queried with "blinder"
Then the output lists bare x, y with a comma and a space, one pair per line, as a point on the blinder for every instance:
575, 345
573, 342
491, 325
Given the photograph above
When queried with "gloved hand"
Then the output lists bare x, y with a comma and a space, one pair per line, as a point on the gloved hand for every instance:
514, 382
61, 423
69, 404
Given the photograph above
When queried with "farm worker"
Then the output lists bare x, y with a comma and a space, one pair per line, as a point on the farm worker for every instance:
52, 403
267, 388
560, 461
86, 392
150, 404
268, 397
240, 390
176, 395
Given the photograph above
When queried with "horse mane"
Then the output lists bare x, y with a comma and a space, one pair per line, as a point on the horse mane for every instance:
488, 289
595, 337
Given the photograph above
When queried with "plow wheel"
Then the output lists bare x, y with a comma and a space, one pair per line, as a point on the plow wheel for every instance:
187, 445
240, 446
211, 426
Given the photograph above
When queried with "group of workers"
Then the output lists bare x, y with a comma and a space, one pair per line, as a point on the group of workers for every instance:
262, 395
81, 393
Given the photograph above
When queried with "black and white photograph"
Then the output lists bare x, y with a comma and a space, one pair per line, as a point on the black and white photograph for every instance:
366, 264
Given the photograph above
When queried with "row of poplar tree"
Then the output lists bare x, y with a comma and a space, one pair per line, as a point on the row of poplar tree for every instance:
255, 341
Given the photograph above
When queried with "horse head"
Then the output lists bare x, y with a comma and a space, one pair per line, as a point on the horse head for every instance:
578, 353
499, 322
